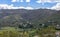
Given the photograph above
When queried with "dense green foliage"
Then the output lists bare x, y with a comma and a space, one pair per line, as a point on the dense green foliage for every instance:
17, 32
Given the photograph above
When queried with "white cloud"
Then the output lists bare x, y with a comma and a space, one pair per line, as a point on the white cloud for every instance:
17, 1
27, 0
29, 8
21, 7
56, 7
13, 0
20, 1
6, 6
49, 1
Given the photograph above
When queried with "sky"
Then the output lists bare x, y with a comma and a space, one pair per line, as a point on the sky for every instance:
30, 4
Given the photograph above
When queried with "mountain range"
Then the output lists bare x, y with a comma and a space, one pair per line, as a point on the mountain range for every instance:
15, 17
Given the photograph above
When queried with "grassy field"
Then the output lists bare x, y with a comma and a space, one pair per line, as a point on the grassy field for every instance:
17, 32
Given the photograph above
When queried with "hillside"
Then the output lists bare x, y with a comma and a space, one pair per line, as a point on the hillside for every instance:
10, 17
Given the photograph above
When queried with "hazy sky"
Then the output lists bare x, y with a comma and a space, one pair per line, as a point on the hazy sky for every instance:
30, 4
